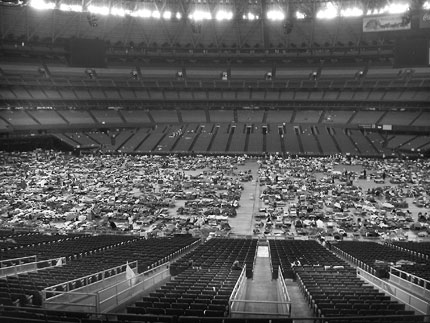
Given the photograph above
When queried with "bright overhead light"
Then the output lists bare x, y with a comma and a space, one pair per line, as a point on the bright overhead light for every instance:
224, 15
42, 5
200, 15
250, 16
351, 12
426, 5
300, 15
104, 11
397, 8
167, 15
275, 15
156, 14
70, 7
329, 12
115, 11
392, 8
178, 15
143, 13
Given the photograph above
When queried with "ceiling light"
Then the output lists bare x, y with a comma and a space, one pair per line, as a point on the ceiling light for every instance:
300, 15
70, 7
178, 15
200, 15
167, 15
351, 12
275, 15
42, 5
329, 12
143, 13
224, 15
115, 11
104, 11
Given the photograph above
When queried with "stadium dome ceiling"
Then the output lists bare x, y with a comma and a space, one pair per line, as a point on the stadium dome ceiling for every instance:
208, 24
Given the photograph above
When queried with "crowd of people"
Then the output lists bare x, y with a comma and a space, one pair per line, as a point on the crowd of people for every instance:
337, 195
56, 191
165, 195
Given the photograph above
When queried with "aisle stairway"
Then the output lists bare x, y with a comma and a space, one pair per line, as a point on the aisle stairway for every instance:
261, 290
262, 287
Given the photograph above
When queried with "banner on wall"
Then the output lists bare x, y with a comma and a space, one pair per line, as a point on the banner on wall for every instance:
425, 19
386, 23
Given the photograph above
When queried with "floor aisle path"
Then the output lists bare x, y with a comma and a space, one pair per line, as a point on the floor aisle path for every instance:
242, 223
262, 287
299, 304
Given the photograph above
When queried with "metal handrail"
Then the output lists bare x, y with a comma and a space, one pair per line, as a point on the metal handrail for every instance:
15, 259
67, 283
379, 283
237, 285
283, 286
113, 316
133, 283
412, 276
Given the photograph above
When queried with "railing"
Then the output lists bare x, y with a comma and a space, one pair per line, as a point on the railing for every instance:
408, 282
238, 291
70, 285
104, 296
412, 302
283, 295
21, 260
118, 294
410, 251
48, 316
354, 260
25, 267
269, 313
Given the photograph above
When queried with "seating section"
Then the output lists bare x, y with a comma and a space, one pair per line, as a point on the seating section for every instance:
364, 145
331, 286
255, 141
220, 140
309, 142
194, 292
218, 253
86, 256
83, 140
337, 117
326, 141
417, 143
273, 140
237, 143
344, 142
367, 117
279, 116
291, 140
338, 292
132, 143
285, 252
38, 315
420, 250
303, 139
202, 281
250, 116
204, 139
399, 118
47, 117
307, 116
369, 254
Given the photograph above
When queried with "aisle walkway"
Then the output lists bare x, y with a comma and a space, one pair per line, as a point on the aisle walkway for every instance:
299, 305
242, 223
261, 287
